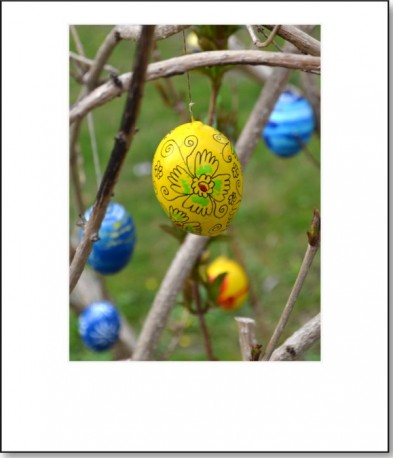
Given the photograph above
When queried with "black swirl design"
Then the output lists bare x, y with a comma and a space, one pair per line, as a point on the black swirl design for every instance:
169, 147
166, 193
216, 229
239, 187
220, 211
191, 140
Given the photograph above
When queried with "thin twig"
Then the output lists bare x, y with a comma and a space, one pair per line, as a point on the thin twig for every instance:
169, 93
247, 338
161, 32
303, 42
122, 144
103, 53
300, 341
74, 172
79, 47
94, 149
255, 39
89, 62
262, 31
311, 91
312, 248
310, 157
213, 100
179, 65
202, 323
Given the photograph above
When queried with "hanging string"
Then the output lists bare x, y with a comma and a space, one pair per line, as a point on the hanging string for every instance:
94, 149
191, 103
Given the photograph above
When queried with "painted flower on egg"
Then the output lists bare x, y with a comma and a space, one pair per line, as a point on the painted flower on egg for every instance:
201, 183
197, 178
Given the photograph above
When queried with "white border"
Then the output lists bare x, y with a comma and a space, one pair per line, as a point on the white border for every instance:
53, 405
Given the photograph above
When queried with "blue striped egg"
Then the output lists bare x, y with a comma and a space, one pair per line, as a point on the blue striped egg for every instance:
99, 325
112, 252
291, 123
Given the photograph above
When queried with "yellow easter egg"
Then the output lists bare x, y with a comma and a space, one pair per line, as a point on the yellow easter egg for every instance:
197, 178
234, 287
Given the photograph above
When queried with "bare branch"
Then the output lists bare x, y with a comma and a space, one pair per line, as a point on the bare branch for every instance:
311, 91
202, 323
312, 248
103, 53
122, 143
256, 40
304, 338
78, 45
74, 172
89, 62
258, 72
246, 336
179, 65
303, 42
193, 245
132, 32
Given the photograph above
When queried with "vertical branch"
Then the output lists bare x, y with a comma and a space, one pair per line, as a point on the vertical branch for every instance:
312, 93
74, 172
122, 143
312, 248
216, 84
202, 322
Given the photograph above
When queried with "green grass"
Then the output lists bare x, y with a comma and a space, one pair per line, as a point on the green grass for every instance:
278, 201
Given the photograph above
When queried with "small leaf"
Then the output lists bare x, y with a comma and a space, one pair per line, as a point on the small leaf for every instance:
214, 287
314, 234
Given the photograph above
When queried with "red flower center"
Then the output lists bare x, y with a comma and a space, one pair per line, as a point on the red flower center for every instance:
202, 187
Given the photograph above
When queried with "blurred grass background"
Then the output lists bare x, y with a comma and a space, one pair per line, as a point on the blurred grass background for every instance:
277, 208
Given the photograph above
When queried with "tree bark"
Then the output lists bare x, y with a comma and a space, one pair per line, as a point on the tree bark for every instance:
294, 347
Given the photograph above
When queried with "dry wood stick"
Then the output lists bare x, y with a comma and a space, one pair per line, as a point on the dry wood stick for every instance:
202, 323
247, 338
312, 248
303, 42
300, 341
122, 143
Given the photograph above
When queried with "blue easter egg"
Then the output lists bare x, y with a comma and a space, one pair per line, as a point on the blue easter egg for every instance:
99, 325
291, 120
117, 240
